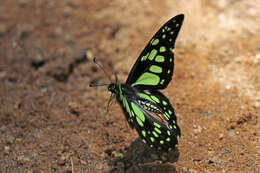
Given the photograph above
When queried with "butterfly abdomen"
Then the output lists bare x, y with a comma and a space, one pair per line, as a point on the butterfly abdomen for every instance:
149, 106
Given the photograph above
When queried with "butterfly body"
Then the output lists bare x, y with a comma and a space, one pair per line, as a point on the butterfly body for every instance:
146, 109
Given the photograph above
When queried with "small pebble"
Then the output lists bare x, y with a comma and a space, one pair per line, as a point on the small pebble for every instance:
7, 148
184, 170
192, 171
257, 58
257, 104
207, 115
99, 166
210, 162
10, 139
225, 151
231, 132
62, 161
44, 90
228, 87
198, 130
216, 159
221, 135
89, 54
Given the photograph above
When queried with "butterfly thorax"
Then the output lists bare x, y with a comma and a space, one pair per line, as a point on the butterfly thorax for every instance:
122, 90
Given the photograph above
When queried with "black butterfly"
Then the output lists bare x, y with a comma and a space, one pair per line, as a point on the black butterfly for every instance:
145, 108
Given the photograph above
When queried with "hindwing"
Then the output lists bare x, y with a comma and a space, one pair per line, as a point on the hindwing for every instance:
152, 115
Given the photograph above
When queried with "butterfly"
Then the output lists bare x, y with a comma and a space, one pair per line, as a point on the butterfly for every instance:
145, 108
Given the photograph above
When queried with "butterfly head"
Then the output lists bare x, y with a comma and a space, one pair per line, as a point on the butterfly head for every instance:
112, 88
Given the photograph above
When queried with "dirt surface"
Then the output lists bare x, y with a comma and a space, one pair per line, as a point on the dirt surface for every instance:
51, 121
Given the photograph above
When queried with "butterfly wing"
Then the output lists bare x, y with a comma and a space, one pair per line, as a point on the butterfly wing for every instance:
162, 135
154, 67
140, 112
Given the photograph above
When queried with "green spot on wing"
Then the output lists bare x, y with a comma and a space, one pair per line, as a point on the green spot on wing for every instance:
147, 79
164, 102
157, 130
152, 54
155, 99
155, 69
156, 124
162, 49
126, 105
139, 121
159, 58
144, 57
162, 81
145, 96
168, 139
168, 132
139, 114
161, 142
155, 42
121, 155
164, 35
152, 139
166, 116
155, 134
144, 133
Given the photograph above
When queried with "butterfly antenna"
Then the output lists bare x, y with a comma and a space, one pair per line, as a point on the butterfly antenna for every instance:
92, 84
116, 77
102, 68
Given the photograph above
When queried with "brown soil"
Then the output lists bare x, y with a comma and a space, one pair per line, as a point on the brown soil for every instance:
52, 121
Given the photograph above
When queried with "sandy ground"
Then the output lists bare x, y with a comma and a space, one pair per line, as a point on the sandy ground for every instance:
51, 121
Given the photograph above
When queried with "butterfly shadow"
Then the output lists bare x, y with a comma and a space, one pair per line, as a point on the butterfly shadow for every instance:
139, 157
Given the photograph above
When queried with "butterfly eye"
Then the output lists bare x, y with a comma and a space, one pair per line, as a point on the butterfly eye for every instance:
112, 88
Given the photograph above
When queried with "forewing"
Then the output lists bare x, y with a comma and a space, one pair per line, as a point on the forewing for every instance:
154, 67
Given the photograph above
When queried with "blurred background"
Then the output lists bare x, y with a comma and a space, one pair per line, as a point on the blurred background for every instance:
51, 121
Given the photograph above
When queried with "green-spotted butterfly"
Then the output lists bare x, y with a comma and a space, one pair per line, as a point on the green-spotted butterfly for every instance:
145, 108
